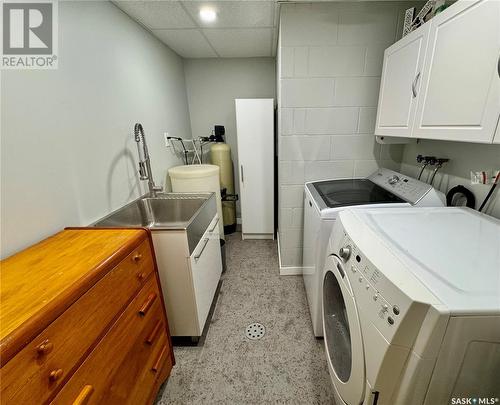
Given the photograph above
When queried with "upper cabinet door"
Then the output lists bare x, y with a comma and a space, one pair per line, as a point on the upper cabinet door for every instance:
399, 86
460, 97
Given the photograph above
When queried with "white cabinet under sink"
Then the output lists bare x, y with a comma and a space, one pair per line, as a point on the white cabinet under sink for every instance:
189, 278
455, 77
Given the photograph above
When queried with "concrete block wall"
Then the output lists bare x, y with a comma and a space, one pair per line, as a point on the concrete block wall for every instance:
329, 65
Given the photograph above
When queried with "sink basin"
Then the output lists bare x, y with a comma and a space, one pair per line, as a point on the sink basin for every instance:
192, 212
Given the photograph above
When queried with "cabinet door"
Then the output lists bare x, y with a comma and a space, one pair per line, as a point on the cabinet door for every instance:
460, 98
206, 267
399, 86
255, 133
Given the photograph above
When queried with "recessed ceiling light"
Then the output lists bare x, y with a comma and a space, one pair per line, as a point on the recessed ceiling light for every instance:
208, 14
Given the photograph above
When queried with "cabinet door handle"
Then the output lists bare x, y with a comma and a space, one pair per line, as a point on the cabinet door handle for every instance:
147, 304
498, 66
242, 178
414, 85
215, 226
84, 395
196, 257
152, 336
159, 362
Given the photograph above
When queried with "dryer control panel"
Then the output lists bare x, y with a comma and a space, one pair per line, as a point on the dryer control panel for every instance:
383, 303
407, 188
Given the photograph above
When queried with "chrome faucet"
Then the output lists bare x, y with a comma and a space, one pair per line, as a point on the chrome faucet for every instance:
145, 172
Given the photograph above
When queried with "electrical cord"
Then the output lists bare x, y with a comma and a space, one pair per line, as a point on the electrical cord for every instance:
490, 192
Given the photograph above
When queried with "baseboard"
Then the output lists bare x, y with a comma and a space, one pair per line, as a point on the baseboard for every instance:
290, 271
287, 270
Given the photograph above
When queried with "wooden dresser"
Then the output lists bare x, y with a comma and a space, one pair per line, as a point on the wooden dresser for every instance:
82, 321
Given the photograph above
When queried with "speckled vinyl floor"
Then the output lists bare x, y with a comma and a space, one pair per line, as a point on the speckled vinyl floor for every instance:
287, 365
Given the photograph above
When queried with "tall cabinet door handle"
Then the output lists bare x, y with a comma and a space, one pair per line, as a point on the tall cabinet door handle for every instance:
498, 66
241, 170
414, 85
84, 395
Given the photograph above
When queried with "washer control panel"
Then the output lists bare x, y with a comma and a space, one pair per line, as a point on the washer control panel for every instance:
373, 292
407, 188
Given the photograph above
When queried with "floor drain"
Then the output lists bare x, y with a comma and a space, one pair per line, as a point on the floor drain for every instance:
255, 331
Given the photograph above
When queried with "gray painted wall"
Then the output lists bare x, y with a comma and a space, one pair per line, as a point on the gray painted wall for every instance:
464, 158
67, 151
330, 60
212, 86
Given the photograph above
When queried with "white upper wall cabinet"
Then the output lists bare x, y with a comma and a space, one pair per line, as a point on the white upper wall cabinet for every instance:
459, 95
403, 63
461, 84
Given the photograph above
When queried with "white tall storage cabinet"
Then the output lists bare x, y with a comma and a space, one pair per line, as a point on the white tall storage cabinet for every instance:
255, 136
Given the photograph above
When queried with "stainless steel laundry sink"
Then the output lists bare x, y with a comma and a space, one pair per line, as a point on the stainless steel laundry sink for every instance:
168, 211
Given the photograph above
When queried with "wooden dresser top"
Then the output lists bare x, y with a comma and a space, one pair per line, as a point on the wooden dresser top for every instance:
51, 275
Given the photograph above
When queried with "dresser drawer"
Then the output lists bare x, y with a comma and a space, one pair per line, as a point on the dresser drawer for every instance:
36, 373
120, 369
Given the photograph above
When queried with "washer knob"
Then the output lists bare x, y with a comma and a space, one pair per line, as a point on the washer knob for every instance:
345, 252
393, 179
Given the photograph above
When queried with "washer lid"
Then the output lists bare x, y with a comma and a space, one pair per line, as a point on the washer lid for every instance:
455, 252
342, 193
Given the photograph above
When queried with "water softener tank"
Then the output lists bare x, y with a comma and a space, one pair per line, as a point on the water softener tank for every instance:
198, 178
220, 155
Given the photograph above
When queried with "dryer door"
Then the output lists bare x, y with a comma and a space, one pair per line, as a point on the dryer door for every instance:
342, 331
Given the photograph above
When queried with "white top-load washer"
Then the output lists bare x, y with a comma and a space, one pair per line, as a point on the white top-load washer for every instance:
325, 199
411, 307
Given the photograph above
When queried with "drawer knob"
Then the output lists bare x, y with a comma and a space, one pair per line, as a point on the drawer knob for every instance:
55, 374
159, 361
45, 347
84, 395
152, 336
141, 276
137, 257
147, 304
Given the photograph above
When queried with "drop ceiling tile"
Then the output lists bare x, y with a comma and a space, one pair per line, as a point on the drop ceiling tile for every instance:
234, 14
157, 13
187, 43
240, 43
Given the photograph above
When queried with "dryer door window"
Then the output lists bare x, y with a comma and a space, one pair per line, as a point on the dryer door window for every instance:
342, 331
337, 328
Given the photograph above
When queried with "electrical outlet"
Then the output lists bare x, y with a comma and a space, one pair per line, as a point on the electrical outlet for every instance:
167, 142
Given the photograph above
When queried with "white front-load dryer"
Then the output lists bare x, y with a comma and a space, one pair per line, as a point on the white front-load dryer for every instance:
411, 307
324, 200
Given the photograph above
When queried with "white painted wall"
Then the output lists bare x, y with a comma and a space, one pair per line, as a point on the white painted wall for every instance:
330, 60
212, 86
67, 150
464, 158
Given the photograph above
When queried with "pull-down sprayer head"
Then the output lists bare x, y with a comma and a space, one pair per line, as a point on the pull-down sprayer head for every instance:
145, 172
